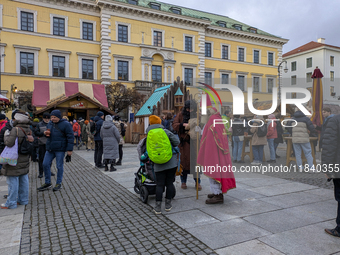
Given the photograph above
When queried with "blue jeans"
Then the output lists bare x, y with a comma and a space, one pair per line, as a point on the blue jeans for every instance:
49, 156
271, 148
307, 150
237, 149
258, 152
275, 147
18, 189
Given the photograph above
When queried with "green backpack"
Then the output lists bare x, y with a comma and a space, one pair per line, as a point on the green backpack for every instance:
158, 146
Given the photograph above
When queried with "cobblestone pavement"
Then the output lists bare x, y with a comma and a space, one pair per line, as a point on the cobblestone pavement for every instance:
93, 214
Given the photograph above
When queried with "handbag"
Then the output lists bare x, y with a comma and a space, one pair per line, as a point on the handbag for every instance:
10, 155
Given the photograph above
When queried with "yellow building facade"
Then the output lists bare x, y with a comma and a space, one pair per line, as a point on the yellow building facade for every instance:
105, 41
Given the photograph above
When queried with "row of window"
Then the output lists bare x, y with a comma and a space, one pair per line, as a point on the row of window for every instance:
331, 92
58, 66
59, 25
309, 77
309, 63
240, 54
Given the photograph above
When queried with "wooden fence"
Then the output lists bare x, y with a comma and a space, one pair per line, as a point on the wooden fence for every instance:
134, 132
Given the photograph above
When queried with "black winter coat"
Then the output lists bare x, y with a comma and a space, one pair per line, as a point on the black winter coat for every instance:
61, 138
238, 127
279, 129
99, 123
331, 149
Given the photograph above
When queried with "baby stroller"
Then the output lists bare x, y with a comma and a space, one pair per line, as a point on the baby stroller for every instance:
145, 178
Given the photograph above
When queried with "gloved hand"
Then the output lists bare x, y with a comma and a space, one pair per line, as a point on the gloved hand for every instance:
68, 158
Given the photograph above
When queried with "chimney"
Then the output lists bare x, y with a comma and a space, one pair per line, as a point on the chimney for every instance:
321, 40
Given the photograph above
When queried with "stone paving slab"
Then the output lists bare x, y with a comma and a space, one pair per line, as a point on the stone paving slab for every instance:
93, 214
10, 233
305, 240
249, 248
279, 189
227, 233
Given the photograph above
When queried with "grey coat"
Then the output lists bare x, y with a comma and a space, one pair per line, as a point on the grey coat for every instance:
110, 136
172, 163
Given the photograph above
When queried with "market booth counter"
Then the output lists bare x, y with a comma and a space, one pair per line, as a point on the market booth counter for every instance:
76, 101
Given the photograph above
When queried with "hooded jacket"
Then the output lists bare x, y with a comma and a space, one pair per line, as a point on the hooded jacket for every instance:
99, 123
111, 137
300, 131
61, 138
39, 132
8, 126
23, 162
323, 128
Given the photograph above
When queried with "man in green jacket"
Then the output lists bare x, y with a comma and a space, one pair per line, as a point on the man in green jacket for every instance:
226, 116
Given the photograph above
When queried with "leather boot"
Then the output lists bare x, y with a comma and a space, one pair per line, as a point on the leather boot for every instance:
217, 199
199, 187
112, 168
211, 195
106, 168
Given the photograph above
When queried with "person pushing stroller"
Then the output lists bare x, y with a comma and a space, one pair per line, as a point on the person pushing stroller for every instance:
159, 145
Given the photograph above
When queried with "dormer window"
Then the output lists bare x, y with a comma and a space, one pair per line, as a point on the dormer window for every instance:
253, 30
155, 6
238, 27
135, 2
176, 10
205, 18
222, 23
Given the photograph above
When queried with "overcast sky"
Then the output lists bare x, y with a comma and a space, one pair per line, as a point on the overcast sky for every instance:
300, 21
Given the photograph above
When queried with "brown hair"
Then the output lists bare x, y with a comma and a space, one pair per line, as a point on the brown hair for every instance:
326, 109
169, 116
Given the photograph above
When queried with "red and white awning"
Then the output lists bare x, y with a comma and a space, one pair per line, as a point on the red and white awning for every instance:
44, 91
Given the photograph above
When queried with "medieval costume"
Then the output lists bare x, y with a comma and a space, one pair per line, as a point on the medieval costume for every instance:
184, 124
214, 152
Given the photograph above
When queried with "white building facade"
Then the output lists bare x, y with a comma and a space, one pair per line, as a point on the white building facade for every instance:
301, 63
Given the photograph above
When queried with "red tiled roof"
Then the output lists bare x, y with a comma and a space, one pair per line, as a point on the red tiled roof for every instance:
309, 46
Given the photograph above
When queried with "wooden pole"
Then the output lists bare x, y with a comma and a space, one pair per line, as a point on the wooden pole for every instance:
197, 140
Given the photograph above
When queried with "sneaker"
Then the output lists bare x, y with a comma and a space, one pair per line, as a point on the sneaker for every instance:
168, 205
57, 187
45, 187
112, 169
52, 174
332, 232
119, 163
158, 207
254, 162
40, 176
199, 187
3, 206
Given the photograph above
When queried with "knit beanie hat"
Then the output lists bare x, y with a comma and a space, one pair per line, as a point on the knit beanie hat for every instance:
108, 118
36, 120
46, 115
56, 113
74, 121
2, 116
100, 113
153, 119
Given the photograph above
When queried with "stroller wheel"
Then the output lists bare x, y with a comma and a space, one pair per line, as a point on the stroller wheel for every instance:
136, 189
144, 193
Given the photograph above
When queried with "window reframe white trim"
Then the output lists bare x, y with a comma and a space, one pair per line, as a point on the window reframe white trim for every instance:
212, 71
192, 42
122, 58
212, 49
307, 62
152, 37
330, 57
291, 65
34, 50
330, 76
52, 15
260, 83
1, 7
129, 30
245, 81
267, 83
273, 58
245, 53
259, 50
229, 76
35, 13
188, 66
66, 54
82, 56
94, 30
225, 44
2, 51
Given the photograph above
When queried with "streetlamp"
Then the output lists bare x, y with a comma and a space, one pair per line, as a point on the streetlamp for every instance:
285, 69
13, 90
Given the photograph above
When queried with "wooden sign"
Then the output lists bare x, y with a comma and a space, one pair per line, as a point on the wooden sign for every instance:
78, 104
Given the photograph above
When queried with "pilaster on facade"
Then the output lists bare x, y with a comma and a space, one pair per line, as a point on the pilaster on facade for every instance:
105, 46
201, 57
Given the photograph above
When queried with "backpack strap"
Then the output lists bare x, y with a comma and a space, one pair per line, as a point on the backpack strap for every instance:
56, 126
22, 131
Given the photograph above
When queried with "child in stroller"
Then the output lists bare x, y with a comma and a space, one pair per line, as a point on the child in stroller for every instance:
145, 178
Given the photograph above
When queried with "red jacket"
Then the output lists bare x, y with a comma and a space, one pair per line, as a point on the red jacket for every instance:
272, 132
76, 128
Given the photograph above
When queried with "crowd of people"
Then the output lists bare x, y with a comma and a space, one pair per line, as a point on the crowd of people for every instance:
25, 140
